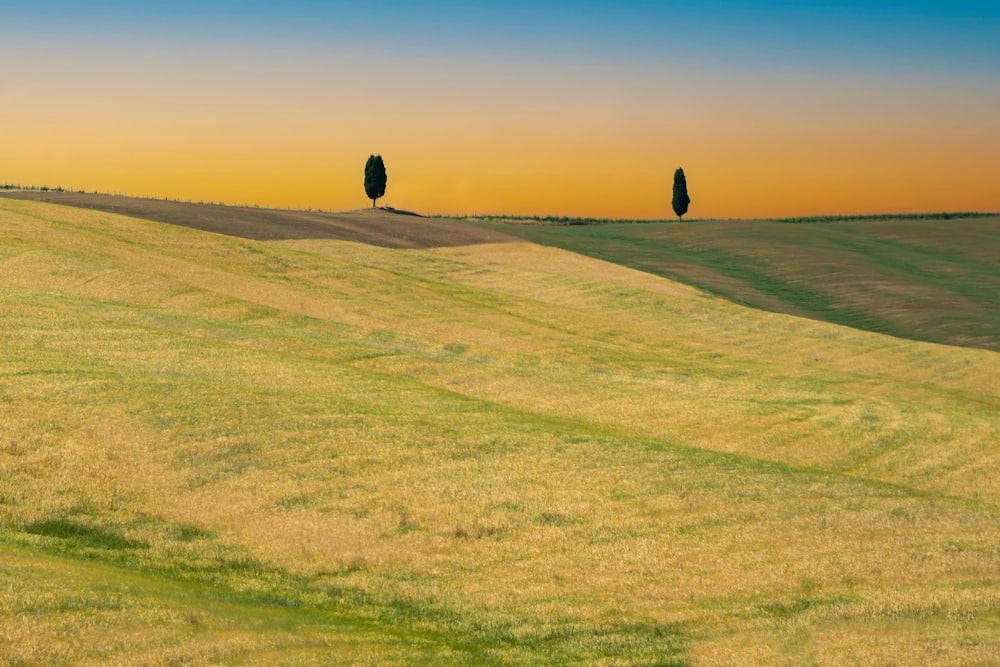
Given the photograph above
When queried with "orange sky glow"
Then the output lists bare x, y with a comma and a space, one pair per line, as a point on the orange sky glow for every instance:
292, 127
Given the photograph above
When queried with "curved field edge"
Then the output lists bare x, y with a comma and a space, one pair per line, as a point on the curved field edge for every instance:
929, 280
503, 447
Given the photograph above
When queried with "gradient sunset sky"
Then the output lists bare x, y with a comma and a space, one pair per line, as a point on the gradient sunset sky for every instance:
550, 108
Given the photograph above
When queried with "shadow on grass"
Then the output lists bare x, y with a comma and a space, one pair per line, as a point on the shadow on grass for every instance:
82, 535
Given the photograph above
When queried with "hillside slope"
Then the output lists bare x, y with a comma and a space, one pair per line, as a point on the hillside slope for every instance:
381, 227
215, 449
930, 280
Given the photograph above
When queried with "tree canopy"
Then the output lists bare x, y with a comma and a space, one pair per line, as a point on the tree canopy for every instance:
374, 178
681, 199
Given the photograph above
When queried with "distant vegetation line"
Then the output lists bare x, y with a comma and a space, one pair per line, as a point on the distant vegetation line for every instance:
567, 220
37, 188
942, 215
550, 219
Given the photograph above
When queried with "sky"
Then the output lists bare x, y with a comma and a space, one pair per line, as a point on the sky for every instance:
773, 109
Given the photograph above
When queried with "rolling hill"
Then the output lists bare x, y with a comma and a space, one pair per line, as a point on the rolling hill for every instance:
933, 280
216, 449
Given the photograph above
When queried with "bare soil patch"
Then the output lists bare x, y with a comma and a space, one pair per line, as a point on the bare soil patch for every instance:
381, 227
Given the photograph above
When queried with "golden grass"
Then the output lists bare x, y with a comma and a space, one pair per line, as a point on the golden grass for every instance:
563, 452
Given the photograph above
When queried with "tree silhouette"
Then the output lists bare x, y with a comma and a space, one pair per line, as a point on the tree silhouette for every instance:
374, 178
681, 199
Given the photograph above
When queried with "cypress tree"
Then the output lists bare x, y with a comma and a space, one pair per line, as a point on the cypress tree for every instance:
374, 178
681, 199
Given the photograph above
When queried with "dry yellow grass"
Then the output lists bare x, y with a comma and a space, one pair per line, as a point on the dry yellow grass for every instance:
545, 457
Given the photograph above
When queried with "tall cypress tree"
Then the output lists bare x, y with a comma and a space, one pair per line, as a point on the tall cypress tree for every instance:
374, 178
681, 199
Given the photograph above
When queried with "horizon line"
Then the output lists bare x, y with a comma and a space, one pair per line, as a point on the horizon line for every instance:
549, 218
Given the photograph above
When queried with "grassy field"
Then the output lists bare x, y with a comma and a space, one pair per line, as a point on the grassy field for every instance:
227, 451
930, 280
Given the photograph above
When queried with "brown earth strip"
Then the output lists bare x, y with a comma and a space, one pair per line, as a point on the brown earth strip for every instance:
380, 227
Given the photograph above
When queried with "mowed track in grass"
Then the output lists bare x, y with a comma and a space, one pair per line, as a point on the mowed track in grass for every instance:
930, 280
215, 449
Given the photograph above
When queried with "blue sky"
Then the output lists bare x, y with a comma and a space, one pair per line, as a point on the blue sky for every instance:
951, 36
